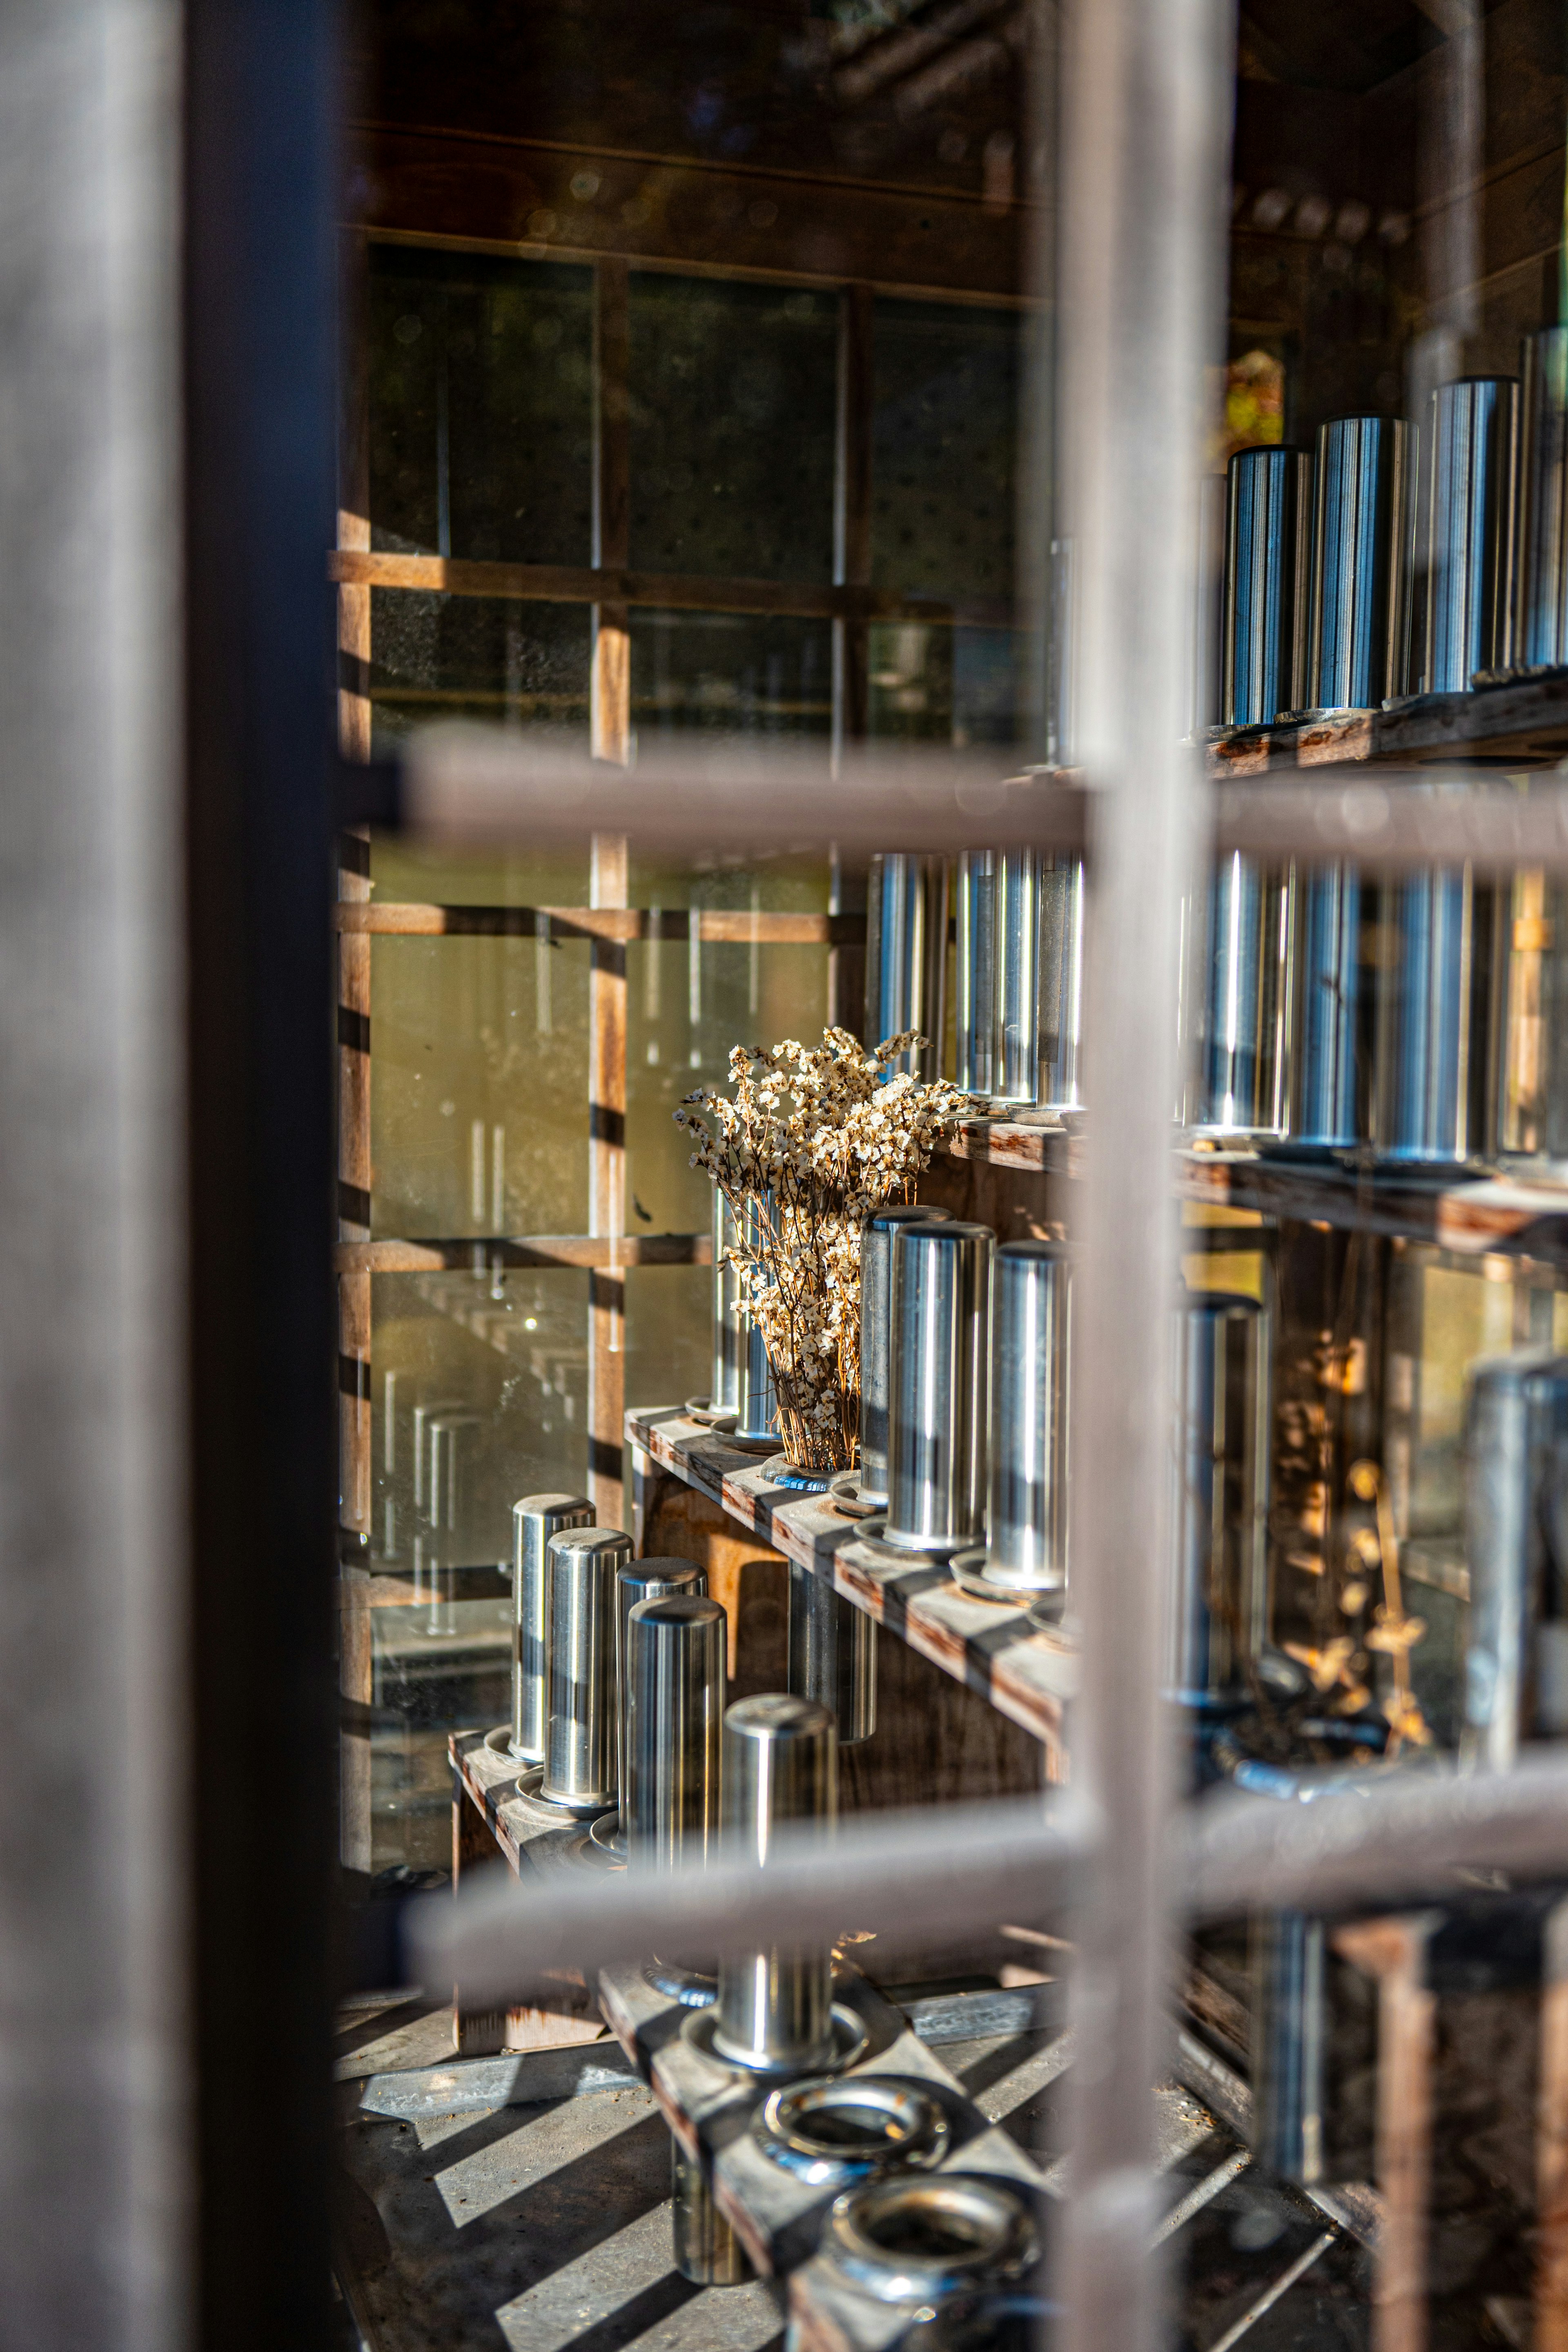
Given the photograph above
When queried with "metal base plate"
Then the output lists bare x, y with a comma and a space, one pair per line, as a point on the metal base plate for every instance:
609, 1836
877, 1552
710, 1415
852, 2034
968, 1571
580, 1817
845, 1496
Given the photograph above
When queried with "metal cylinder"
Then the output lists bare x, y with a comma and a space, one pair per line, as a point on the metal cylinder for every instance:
1516, 1520
671, 1727
975, 972
832, 1654
1329, 1096
706, 2249
1432, 1043
1061, 985
939, 1363
729, 1323
1029, 1307
1242, 1063
1016, 1064
780, 1764
875, 1295
756, 1401
906, 956
581, 1731
1268, 538
1289, 2030
1541, 604
1360, 607
1470, 531
533, 1521
1219, 1597
645, 1580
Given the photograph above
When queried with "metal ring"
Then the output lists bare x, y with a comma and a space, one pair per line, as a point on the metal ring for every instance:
851, 2036
917, 2241
970, 1573
833, 2129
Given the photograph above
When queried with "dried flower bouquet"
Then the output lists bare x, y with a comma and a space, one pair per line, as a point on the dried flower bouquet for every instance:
811, 1142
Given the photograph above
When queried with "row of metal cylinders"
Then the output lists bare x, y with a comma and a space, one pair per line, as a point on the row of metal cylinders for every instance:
618, 1694
1391, 561
1318, 1010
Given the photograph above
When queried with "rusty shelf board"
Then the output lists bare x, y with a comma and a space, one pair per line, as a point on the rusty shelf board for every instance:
1521, 722
1520, 1212
1025, 1674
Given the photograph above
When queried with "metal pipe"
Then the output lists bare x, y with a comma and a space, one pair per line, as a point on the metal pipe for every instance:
1288, 1958
534, 1521
1031, 1289
727, 1321
939, 1355
832, 1654
1433, 1023
1360, 608
580, 1732
1328, 1101
780, 1764
975, 971
1470, 531
1242, 1063
1218, 1599
1015, 1066
875, 1295
1541, 611
906, 956
670, 1667
1061, 985
706, 2249
1516, 1523
1267, 543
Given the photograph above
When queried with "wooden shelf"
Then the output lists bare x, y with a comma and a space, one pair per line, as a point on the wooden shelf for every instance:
1027, 1674
1520, 723
1521, 1211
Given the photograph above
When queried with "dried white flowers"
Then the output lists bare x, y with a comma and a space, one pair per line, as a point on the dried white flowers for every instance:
810, 1144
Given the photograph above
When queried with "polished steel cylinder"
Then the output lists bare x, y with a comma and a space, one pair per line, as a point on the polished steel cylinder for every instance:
975, 971
1516, 1523
1289, 2036
533, 1521
729, 1323
1242, 1061
1061, 985
706, 2249
672, 1723
939, 1363
780, 1764
1542, 608
875, 1302
1268, 538
1029, 1358
1470, 500
906, 956
1016, 1064
645, 1580
832, 1654
1433, 1026
1329, 1093
581, 1728
756, 1401
1217, 1614
1360, 604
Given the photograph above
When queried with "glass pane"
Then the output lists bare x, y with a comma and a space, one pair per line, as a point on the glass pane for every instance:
732, 404
729, 673
944, 434
512, 663
480, 418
